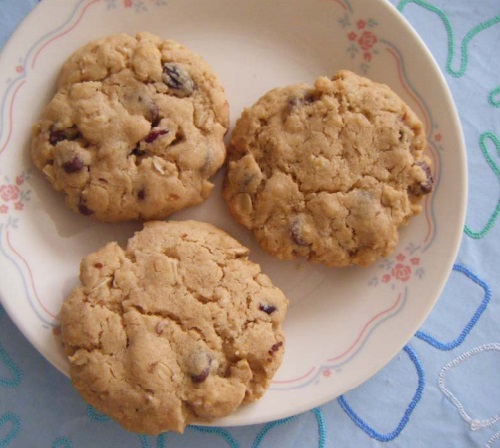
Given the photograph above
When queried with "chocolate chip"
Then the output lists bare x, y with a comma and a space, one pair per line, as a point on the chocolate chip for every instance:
73, 166
58, 135
141, 194
98, 265
83, 209
275, 347
178, 79
155, 133
268, 309
424, 187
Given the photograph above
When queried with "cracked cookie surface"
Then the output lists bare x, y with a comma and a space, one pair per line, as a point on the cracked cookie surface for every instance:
135, 129
328, 172
178, 327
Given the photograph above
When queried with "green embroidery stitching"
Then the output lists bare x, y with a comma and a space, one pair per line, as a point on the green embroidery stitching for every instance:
491, 97
491, 222
451, 39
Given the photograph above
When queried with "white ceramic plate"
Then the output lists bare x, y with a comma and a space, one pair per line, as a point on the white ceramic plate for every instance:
343, 325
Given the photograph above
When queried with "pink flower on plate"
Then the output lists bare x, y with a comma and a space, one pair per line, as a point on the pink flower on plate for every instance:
401, 272
401, 257
9, 192
367, 40
438, 137
19, 69
4, 208
19, 205
360, 24
128, 3
327, 373
352, 35
367, 56
19, 179
415, 261
386, 278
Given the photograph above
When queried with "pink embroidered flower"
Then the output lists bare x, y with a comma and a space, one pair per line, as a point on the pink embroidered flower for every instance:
360, 24
401, 257
19, 179
401, 272
386, 278
4, 208
9, 192
415, 261
352, 35
367, 56
19, 205
367, 40
19, 69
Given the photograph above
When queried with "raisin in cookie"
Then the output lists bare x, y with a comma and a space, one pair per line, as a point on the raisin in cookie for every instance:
178, 327
135, 130
328, 172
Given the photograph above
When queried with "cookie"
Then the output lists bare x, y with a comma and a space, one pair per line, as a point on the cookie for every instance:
329, 172
135, 129
178, 327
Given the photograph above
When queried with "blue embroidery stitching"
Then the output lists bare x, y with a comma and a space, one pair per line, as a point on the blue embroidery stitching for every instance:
321, 427
220, 432
144, 441
16, 372
160, 441
406, 416
480, 310
267, 427
62, 442
96, 416
9, 417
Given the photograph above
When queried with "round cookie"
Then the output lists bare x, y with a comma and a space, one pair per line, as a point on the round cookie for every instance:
178, 327
328, 172
135, 130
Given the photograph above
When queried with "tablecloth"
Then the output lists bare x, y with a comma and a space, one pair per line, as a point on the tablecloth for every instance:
442, 390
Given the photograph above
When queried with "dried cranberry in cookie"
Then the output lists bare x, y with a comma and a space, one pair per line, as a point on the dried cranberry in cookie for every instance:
178, 327
330, 172
143, 113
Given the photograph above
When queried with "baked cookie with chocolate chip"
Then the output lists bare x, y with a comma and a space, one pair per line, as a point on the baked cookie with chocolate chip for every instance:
135, 129
178, 327
329, 172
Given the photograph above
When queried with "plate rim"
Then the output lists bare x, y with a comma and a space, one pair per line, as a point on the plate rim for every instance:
463, 182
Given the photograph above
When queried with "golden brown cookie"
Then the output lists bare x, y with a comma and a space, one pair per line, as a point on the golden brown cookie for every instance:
135, 130
328, 172
178, 327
